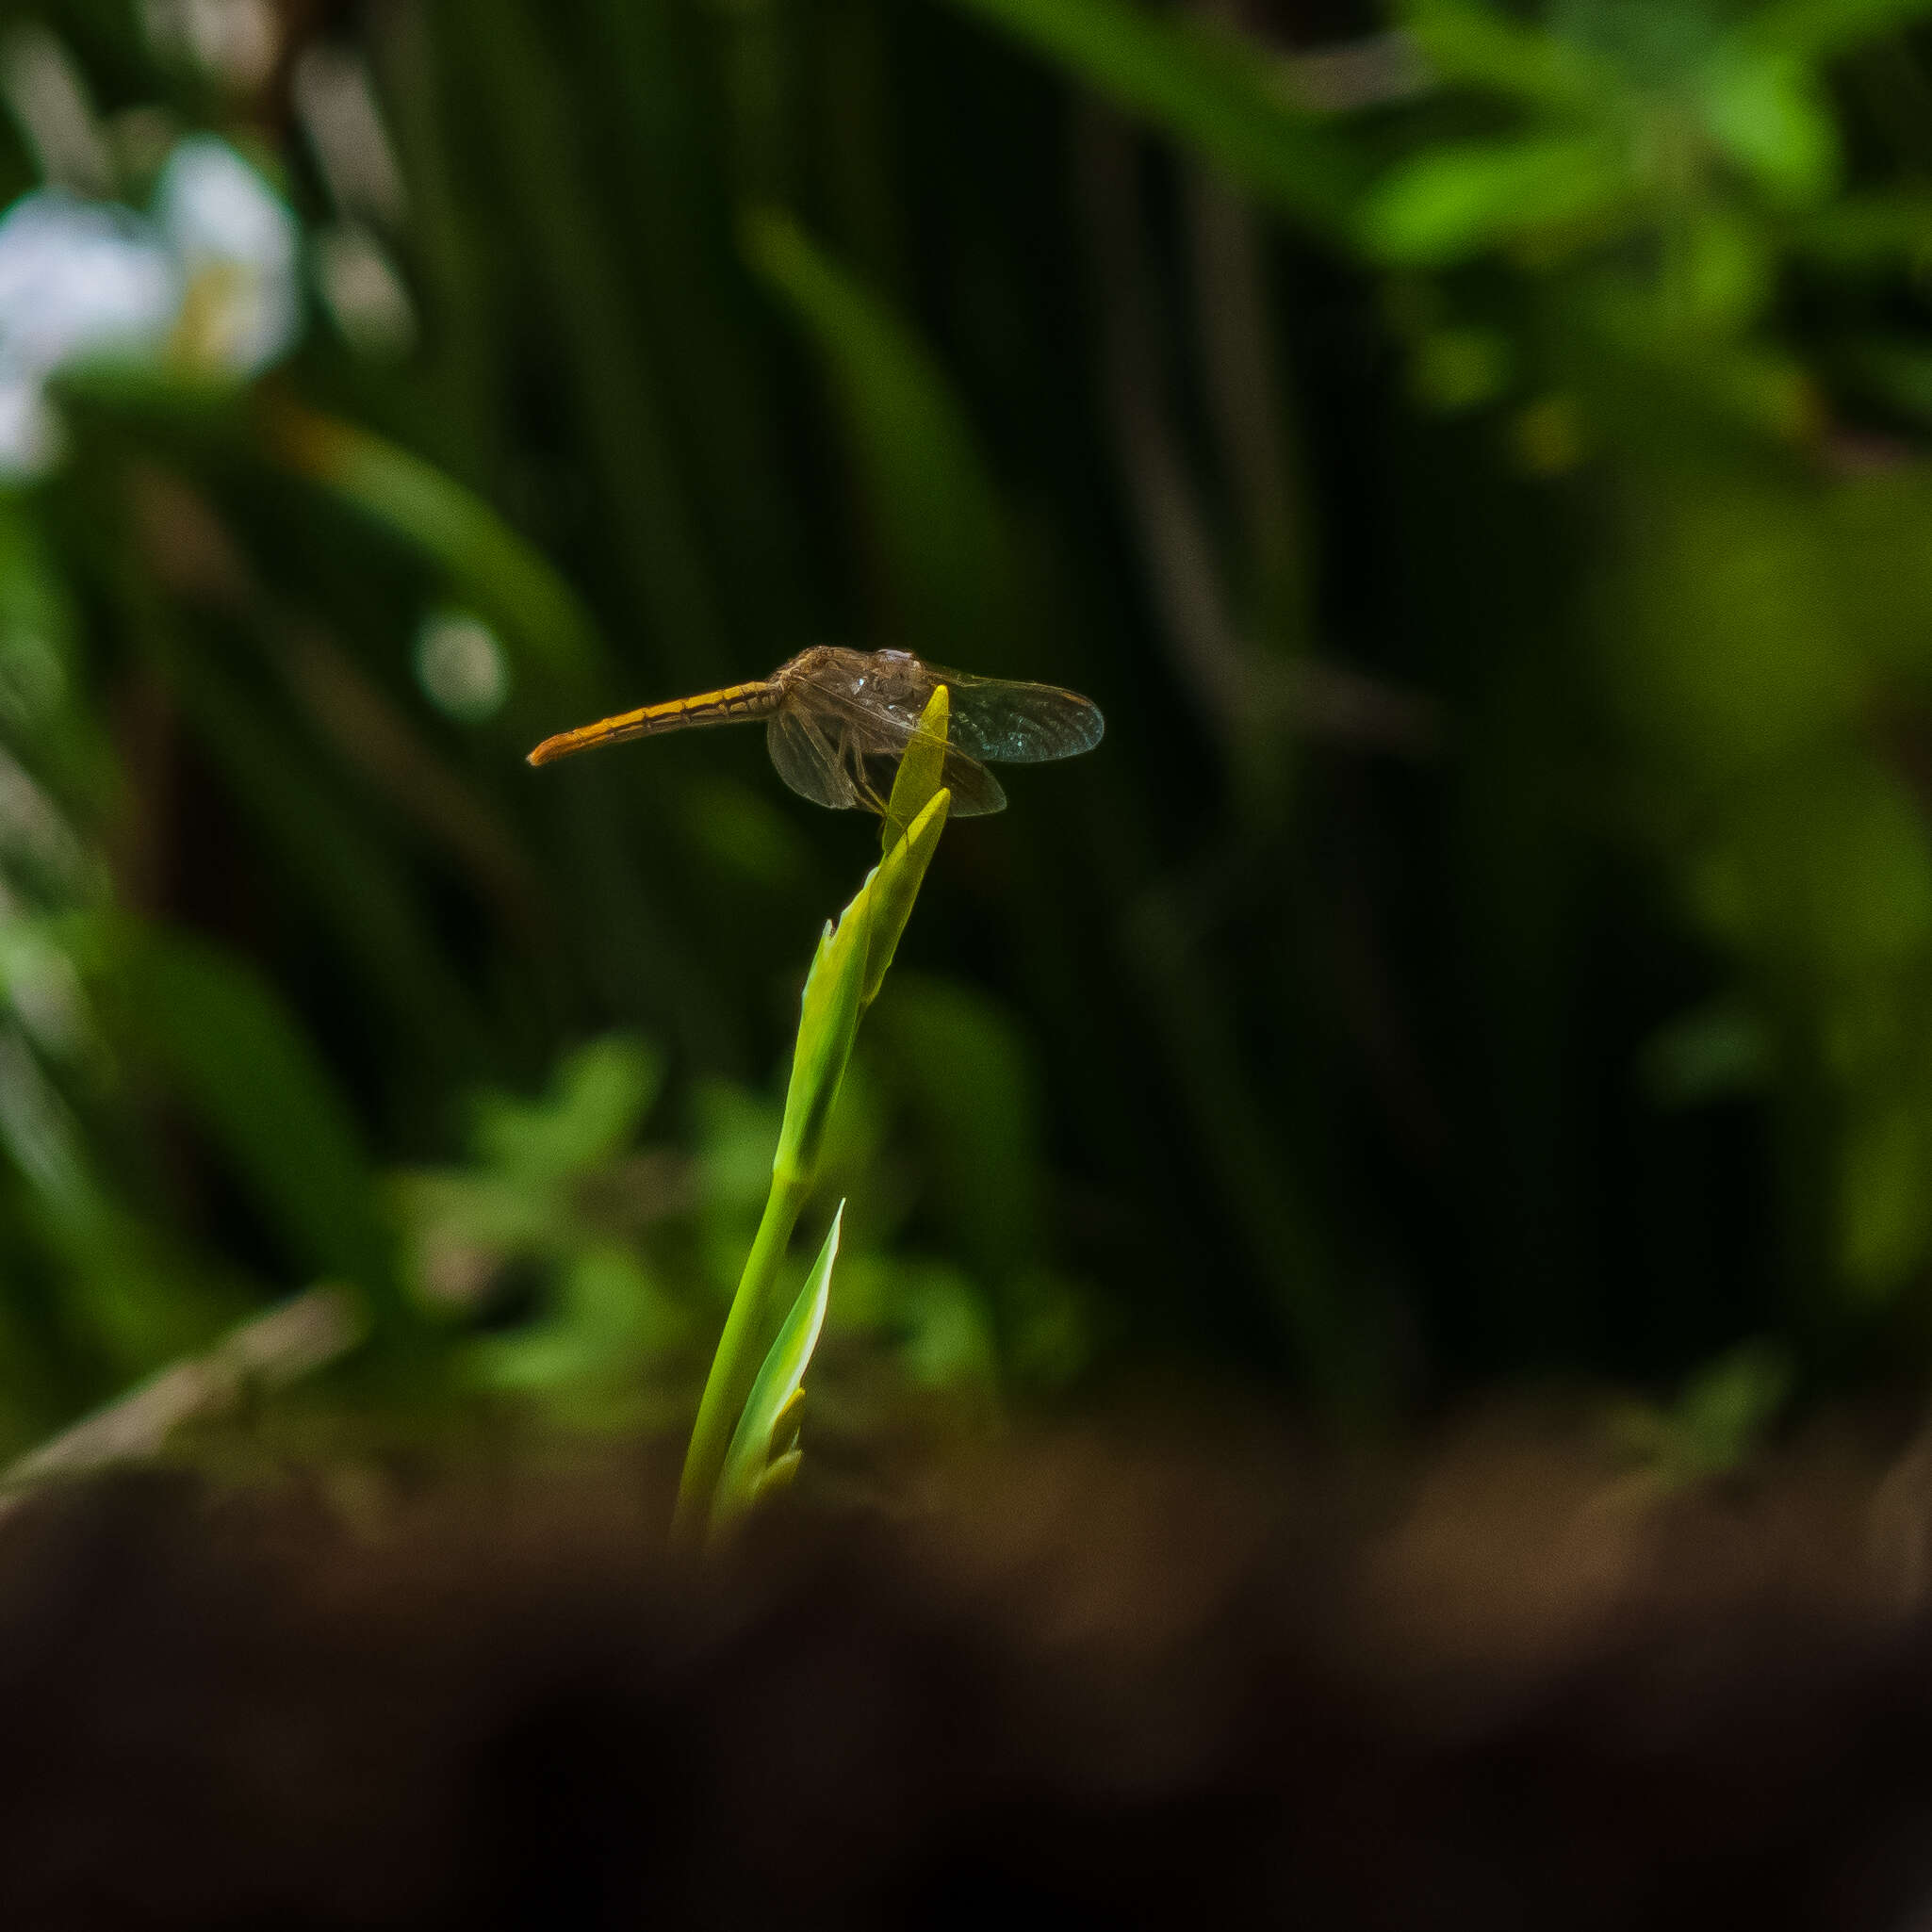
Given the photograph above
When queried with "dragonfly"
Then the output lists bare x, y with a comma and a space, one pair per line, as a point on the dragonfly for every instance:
837, 722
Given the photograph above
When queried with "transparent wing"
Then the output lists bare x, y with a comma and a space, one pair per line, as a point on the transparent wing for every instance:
976, 791
1014, 723
823, 759
810, 759
877, 697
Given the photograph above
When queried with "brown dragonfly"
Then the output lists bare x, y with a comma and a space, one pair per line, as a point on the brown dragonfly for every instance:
838, 721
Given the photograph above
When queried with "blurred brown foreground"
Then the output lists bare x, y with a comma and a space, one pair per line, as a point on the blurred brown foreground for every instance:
1509, 1685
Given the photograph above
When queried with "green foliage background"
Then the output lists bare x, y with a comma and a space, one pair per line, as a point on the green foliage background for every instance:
1482, 473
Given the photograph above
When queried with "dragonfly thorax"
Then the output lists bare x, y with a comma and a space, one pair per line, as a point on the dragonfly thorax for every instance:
898, 681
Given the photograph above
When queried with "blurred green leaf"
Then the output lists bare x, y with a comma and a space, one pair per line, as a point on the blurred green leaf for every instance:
1885, 1214
236, 1057
930, 1318
1479, 45
1722, 275
1770, 114
43, 711
1882, 231
1720, 1418
1457, 201
594, 1358
1816, 31
781, 1380
598, 1100
1461, 369
1898, 369
1717, 1053
1725, 1410
337, 864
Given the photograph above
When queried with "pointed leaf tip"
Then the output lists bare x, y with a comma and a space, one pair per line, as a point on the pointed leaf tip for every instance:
919, 769
773, 1402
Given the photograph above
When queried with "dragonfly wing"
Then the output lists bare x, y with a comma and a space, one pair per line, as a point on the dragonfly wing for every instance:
809, 760
1014, 723
976, 791
877, 698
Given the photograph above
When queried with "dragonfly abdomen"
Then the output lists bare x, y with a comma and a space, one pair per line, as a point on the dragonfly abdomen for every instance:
735, 704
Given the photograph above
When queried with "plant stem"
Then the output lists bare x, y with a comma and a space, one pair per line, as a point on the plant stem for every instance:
741, 1349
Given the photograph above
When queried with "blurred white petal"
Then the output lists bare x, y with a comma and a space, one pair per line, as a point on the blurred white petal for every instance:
236, 243
364, 292
345, 127
50, 101
236, 41
29, 432
79, 280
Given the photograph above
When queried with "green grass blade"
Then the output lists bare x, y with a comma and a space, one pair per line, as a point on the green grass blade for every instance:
760, 1444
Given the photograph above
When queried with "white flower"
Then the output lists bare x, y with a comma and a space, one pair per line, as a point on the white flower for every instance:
237, 245
206, 283
80, 281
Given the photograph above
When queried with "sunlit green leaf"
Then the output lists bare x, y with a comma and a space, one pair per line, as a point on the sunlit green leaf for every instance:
917, 777
895, 886
773, 1394
827, 1021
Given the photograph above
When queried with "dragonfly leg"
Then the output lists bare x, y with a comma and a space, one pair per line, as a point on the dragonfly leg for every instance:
853, 759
